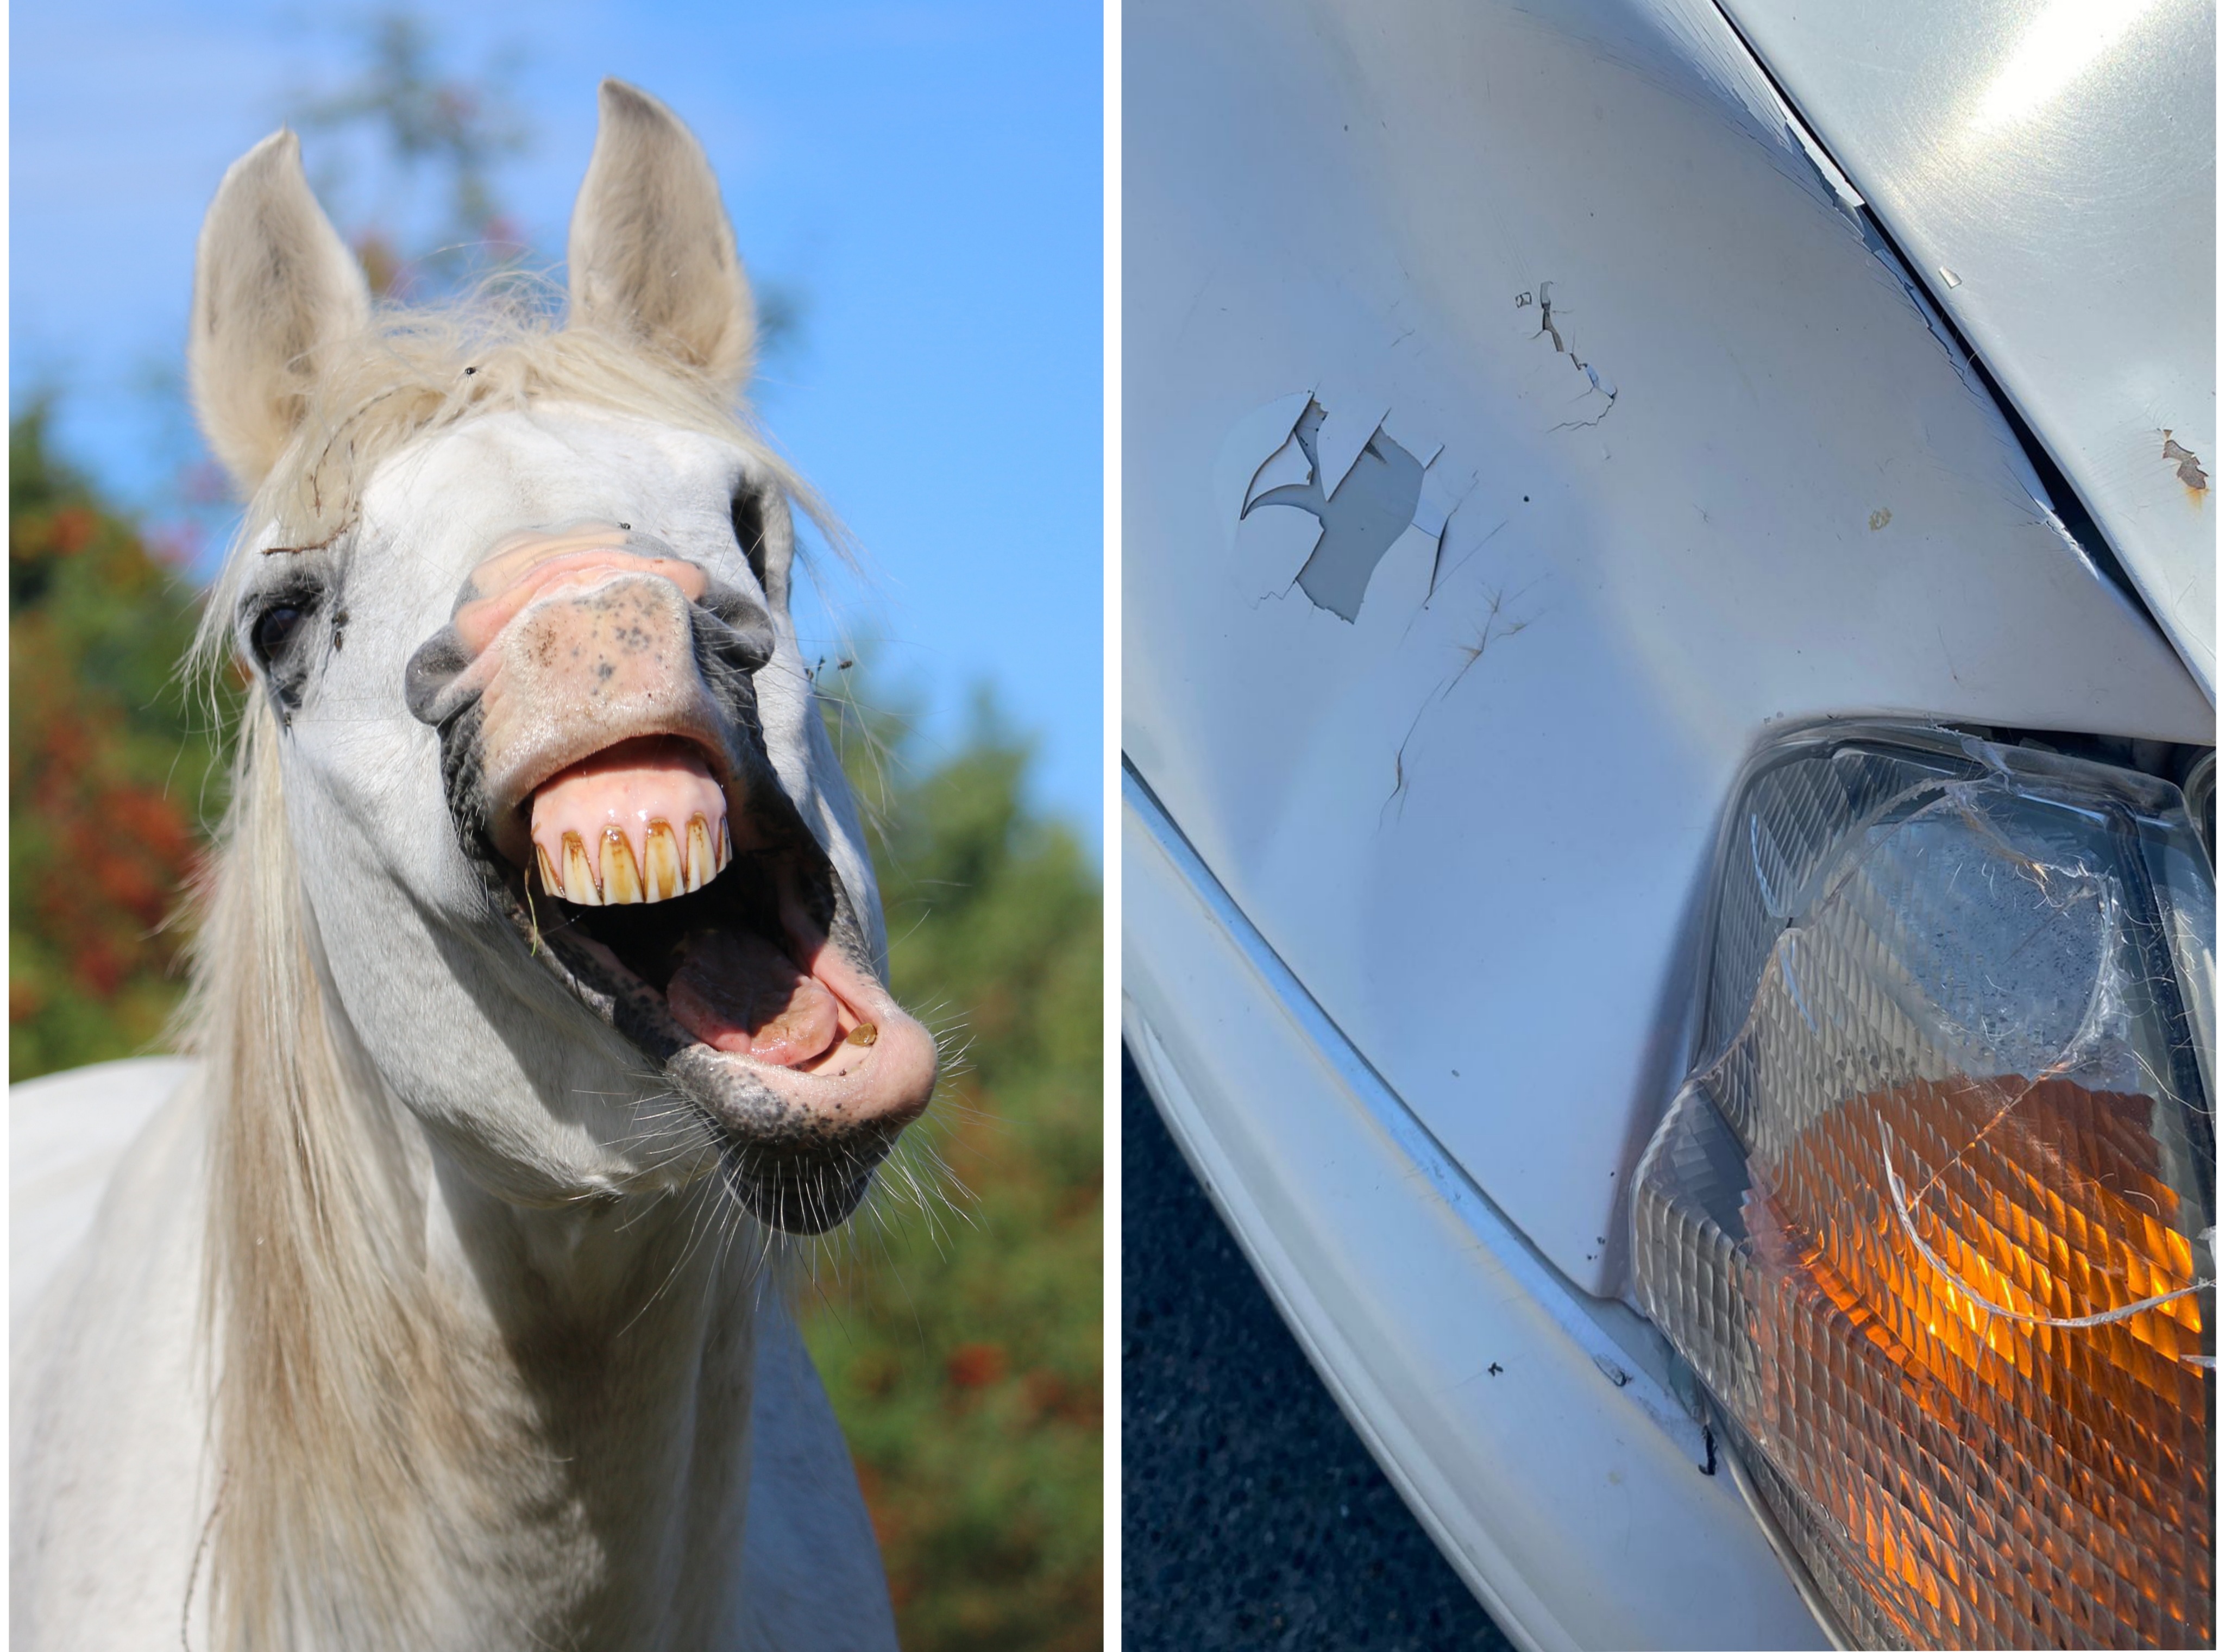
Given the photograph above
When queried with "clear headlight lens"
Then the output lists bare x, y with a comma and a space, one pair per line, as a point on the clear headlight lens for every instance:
1931, 1217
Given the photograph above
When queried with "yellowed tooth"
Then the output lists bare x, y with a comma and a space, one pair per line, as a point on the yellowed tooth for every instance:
661, 872
579, 877
621, 877
863, 1034
726, 845
699, 868
550, 881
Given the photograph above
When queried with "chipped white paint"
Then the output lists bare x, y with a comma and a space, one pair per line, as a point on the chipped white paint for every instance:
1352, 421
1302, 527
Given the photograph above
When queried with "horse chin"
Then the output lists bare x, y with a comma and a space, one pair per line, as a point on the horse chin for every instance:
754, 996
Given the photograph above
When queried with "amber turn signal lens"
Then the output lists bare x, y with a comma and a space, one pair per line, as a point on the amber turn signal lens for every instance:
1932, 1218
1931, 1361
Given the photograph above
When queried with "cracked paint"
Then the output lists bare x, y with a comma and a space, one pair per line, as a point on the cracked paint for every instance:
1549, 328
1347, 425
1352, 492
1495, 626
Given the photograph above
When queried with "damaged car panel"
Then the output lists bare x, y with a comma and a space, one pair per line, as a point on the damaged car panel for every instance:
1696, 457
2049, 169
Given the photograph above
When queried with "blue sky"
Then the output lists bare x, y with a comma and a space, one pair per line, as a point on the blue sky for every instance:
926, 176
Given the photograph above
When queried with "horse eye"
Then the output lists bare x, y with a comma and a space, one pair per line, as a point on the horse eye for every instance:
749, 532
273, 628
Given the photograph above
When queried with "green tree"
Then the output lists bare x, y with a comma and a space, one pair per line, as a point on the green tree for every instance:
962, 1341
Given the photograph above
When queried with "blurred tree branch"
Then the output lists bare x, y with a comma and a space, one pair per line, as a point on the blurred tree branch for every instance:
452, 130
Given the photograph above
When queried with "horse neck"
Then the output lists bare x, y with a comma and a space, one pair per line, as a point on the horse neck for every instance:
442, 1418
619, 1342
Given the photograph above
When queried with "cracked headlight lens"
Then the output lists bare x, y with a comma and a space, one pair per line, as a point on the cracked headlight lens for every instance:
1932, 1216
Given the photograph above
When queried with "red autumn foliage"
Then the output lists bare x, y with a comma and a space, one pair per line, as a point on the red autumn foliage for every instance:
107, 766
975, 1364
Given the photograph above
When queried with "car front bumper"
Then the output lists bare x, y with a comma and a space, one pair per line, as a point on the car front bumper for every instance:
1537, 1431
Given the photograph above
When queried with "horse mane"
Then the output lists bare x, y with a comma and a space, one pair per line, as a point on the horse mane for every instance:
359, 1433
337, 1404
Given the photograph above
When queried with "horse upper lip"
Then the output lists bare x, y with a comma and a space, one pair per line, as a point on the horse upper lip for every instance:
575, 672
527, 568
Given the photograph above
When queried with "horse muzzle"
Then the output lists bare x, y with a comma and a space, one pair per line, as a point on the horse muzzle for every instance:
604, 760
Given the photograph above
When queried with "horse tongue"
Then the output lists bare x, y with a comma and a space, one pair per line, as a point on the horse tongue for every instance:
741, 993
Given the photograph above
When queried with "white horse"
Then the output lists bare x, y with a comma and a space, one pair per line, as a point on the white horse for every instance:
538, 989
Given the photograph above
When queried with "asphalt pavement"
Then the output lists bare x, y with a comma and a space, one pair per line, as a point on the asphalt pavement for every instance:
1250, 1514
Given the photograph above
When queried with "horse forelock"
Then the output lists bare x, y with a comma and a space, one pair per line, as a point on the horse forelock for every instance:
416, 370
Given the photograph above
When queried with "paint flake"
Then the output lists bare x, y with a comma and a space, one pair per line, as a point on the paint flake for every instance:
2190, 472
1382, 498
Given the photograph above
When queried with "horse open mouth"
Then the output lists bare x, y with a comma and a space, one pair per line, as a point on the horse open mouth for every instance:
720, 940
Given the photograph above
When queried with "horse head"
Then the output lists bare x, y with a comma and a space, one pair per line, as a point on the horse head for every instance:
582, 872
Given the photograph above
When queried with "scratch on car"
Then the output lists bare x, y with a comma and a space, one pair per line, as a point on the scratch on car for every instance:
1838, 191
1496, 626
1547, 328
1437, 583
2191, 474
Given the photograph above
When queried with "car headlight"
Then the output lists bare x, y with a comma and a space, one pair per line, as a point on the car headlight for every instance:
1931, 1217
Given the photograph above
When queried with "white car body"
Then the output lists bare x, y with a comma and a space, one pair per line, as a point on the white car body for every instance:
1413, 878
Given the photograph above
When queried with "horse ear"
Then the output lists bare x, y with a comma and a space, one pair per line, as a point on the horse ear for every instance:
272, 280
652, 253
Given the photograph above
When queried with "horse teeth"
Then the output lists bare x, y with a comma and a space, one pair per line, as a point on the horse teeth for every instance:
579, 877
661, 868
621, 878
701, 871
616, 869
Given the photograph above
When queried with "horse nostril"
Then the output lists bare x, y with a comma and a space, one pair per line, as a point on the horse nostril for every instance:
437, 662
734, 633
